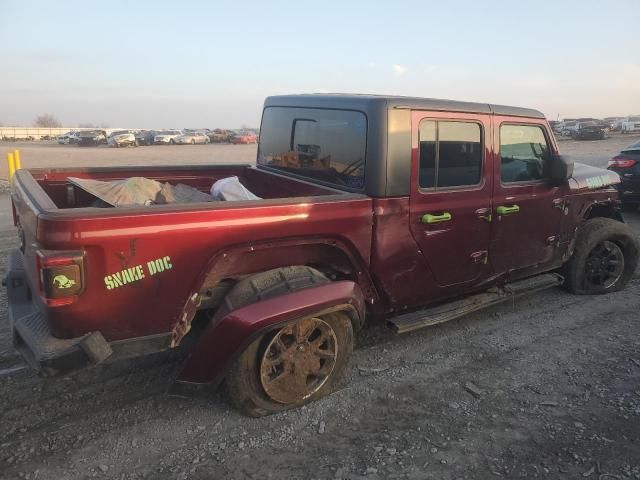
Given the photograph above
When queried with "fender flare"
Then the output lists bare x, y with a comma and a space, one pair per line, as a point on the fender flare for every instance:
602, 208
244, 259
222, 342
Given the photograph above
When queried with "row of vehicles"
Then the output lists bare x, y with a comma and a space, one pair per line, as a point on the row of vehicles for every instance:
595, 129
134, 138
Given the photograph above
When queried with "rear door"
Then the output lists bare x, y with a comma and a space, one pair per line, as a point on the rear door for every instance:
528, 210
450, 203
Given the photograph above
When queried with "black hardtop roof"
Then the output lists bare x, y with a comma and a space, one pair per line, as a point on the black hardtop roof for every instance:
366, 102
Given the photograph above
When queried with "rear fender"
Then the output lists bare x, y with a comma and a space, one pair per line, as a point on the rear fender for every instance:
223, 341
247, 259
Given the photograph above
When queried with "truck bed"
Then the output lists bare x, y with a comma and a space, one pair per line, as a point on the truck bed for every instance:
191, 237
264, 184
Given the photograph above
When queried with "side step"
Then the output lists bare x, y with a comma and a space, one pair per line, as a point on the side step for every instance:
449, 311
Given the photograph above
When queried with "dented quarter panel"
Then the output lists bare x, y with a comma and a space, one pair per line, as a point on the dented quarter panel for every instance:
117, 240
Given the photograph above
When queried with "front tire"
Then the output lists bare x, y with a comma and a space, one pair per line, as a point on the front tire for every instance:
604, 258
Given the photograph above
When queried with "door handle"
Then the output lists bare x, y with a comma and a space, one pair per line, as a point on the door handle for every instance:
428, 218
504, 210
484, 214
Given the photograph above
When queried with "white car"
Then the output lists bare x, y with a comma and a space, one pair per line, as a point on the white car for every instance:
568, 127
122, 138
192, 138
630, 125
167, 136
69, 138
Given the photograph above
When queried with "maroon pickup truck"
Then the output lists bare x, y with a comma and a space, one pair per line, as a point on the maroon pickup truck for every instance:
416, 211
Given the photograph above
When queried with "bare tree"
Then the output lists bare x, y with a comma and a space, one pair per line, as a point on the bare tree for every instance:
86, 125
47, 120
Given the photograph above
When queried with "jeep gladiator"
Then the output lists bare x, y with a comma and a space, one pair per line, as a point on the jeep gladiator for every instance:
416, 211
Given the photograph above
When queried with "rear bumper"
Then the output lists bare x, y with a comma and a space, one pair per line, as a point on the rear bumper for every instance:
31, 336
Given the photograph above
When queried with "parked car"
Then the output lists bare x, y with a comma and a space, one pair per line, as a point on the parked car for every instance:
63, 139
221, 136
145, 137
589, 130
122, 138
70, 138
206, 131
627, 165
630, 125
192, 138
614, 123
246, 137
92, 138
568, 127
363, 208
167, 137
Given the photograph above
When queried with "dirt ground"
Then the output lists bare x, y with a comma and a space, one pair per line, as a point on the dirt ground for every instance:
545, 387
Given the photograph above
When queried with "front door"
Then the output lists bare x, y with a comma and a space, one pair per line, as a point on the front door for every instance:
450, 204
527, 208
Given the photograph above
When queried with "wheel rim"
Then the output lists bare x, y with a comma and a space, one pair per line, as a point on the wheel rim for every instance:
604, 265
298, 360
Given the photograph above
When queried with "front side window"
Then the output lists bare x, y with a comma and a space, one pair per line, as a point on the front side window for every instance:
321, 144
450, 154
524, 154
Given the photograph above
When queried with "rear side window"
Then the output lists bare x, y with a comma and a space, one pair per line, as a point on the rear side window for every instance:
320, 144
450, 154
524, 154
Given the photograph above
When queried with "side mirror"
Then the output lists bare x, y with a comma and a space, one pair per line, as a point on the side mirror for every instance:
561, 169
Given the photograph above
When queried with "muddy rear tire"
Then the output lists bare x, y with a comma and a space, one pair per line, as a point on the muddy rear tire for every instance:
293, 365
604, 258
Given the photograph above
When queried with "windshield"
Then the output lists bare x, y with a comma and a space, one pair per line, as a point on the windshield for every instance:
325, 145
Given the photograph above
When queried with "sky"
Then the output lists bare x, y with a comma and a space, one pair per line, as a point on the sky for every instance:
199, 64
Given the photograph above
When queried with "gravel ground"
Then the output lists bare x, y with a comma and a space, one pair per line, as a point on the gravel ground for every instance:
545, 387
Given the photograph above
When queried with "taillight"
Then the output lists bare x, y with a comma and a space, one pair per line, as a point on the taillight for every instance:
622, 162
60, 276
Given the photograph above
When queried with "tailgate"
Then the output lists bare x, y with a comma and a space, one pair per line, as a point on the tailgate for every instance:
29, 200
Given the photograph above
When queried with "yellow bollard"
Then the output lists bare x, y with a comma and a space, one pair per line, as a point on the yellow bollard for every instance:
16, 159
12, 165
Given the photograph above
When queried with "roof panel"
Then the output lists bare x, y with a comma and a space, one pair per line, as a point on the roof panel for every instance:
365, 102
